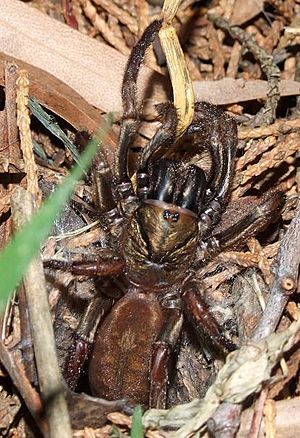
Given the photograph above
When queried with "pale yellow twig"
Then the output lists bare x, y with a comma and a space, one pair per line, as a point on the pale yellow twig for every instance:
183, 92
23, 122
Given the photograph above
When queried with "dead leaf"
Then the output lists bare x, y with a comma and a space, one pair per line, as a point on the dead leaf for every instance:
9, 407
70, 68
244, 11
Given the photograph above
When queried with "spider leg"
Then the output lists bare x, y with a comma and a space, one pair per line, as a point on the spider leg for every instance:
110, 215
103, 182
102, 266
164, 136
205, 325
130, 116
217, 132
249, 225
161, 358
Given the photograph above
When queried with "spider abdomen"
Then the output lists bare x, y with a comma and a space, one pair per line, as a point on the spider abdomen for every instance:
120, 362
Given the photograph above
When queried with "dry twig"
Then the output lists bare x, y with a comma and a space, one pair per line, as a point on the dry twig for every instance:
49, 374
227, 417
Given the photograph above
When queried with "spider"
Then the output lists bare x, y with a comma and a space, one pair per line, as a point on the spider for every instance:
158, 231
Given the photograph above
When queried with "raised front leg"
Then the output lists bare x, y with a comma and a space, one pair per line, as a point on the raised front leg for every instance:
161, 358
130, 117
215, 131
208, 330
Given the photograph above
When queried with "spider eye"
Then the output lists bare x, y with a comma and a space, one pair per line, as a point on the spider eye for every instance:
171, 216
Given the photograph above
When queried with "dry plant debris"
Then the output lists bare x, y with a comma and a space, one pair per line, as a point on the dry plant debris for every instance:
224, 39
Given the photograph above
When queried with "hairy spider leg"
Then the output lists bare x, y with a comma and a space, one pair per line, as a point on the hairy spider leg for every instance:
131, 109
209, 332
131, 118
103, 179
164, 137
161, 359
120, 180
262, 214
214, 130
100, 267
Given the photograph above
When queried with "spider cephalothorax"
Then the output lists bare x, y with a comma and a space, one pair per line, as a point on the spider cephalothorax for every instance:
159, 229
161, 237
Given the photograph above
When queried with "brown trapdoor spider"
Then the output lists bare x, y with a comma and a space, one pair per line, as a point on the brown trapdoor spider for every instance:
158, 231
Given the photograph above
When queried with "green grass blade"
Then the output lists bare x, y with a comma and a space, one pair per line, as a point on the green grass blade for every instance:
52, 126
137, 430
25, 244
